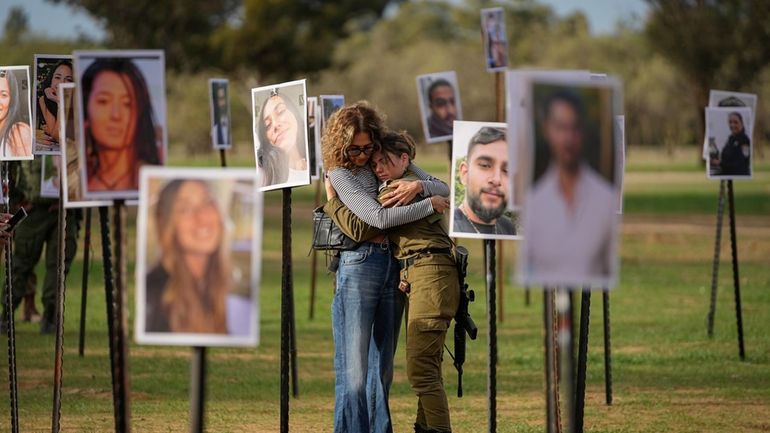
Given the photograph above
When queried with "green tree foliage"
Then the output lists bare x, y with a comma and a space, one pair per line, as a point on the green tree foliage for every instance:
279, 39
183, 28
715, 44
16, 25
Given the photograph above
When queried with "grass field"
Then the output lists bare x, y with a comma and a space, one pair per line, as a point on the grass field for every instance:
668, 375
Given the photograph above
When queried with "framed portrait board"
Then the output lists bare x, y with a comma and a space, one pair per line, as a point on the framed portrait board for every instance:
480, 186
219, 107
439, 98
50, 70
121, 119
280, 135
16, 133
198, 257
571, 181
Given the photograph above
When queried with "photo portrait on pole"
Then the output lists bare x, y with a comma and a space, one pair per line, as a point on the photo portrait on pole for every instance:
280, 135
494, 38
439, 97
198, 257
16, 134
724, 98
728, 133
72, 165
50, 176
570, 204
480, 184
313, 137
219, 102
49, 71
329, 104
122, 119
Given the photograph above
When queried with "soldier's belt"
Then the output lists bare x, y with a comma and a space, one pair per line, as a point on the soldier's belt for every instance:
405, 263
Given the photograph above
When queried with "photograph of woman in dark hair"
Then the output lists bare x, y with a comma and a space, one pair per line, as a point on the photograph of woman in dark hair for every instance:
119, 125
47, 106
281, 147
15, 133
735, 158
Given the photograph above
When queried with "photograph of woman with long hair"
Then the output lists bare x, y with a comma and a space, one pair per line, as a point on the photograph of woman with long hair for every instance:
280, 135
15, 132
121, 130
193, 287
53, 71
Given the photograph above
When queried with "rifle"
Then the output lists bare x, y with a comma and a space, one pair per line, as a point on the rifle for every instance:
463, 321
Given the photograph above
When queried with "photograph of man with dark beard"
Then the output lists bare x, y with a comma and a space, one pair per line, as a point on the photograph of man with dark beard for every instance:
439, 105
481, 190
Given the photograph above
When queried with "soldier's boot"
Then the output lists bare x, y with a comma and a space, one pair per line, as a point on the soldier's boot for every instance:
30, 313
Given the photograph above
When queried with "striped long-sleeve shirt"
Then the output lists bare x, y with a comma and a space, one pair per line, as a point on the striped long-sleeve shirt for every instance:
358, 190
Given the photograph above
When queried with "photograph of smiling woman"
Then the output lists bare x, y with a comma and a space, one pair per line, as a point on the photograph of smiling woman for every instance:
15, 132
280, 137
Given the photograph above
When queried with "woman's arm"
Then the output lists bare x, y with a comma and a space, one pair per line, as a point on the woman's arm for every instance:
430, 185
355, 196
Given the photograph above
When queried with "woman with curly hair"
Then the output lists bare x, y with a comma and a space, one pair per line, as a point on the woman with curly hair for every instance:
367, 305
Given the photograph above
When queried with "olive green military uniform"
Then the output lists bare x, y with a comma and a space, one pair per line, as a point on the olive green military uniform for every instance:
39, 229
427, 265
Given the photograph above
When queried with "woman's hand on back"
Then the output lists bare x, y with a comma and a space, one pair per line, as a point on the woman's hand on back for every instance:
440, 204
403, 193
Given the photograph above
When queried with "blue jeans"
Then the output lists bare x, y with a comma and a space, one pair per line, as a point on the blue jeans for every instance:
366, 318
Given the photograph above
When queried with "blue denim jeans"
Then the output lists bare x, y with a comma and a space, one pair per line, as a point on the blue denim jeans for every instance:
366, 318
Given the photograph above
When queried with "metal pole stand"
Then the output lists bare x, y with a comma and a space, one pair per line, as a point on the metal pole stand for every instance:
9, 319
551, 390
490, 261
198, 390
286, 287
314, 257
607, 348
566, 354
580, 384
715, 265
736, 278
84, 289
61, 228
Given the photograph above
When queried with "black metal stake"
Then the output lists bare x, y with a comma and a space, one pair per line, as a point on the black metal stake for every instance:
527, 300
490, 259
736, 278
566, 354
286, 283
607, 348
121, 316
9, 319
198, 390
550, 372
715, 266
84, 289
580, 385
61, 228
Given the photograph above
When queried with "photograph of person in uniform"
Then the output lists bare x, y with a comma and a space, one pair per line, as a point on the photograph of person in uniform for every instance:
367, 306
439, 105
280, 135
570, 208
724, 98
220, 113
122, 119
480, 192
15, 132
494, 38
49, 72
727, 132
329, 105
196, 254
428, 276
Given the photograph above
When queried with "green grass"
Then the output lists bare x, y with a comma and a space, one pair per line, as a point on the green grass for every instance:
668, 375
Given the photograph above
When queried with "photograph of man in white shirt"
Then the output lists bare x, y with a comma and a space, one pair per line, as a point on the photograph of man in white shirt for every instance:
571, 209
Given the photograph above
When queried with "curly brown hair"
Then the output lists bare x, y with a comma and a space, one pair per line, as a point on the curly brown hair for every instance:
343, 125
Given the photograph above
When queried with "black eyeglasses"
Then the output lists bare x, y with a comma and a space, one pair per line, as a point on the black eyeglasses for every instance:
356, 150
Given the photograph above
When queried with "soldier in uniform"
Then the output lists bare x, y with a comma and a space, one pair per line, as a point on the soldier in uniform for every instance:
428, 276
38, 230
